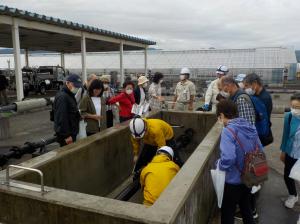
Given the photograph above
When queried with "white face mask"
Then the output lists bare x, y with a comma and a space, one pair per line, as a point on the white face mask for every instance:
295, 112
221, 121
250, 91
128, 91
145, 85
225, 94
161, 81
74, 90
182, 77
106, 86
241, 85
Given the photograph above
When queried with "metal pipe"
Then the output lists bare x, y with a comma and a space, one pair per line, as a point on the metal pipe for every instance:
27, 105
8, 108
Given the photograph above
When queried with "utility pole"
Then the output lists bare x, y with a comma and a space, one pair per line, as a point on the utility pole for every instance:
8, 64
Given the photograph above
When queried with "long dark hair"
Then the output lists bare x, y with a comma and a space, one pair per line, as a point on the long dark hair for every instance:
96, 84
157, 76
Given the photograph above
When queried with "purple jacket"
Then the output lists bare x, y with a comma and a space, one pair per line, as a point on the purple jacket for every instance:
232, 155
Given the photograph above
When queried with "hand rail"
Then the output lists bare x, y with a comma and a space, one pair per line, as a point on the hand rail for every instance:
25, 168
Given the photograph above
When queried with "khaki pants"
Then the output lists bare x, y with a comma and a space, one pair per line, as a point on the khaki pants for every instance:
181, 106
4, 95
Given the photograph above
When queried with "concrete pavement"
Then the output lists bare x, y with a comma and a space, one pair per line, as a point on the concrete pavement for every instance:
270, 202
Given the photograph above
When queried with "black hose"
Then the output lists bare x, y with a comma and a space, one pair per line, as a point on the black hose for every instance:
27, 148
129, 191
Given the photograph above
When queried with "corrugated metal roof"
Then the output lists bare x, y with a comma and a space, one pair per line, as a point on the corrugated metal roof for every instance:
5, 10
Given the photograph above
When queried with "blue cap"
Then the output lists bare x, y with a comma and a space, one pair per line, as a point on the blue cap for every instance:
75, 79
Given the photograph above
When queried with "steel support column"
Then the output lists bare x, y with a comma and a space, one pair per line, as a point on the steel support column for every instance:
62, 60
121, 65
83, 57
17, 58
146, 60
26, 58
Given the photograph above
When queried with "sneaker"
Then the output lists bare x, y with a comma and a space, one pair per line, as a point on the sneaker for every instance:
291, 201
255, 214
238, 215
255, 189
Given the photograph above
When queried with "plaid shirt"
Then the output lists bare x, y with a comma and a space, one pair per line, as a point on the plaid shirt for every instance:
246, 109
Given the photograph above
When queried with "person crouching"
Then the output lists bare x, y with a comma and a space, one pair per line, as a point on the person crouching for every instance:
157, 175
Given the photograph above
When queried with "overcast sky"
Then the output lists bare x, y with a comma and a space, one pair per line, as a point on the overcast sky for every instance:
190, 24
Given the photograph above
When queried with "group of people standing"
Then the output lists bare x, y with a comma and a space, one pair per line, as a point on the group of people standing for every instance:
242, 105
237, 110
96, 103
244, 108
93, 102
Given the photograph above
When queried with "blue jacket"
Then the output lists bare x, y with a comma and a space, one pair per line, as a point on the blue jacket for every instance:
232, 155
291, 124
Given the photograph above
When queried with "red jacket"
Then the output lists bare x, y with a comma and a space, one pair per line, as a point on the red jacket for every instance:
126, 102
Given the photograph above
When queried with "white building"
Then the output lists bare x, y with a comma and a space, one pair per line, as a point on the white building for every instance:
269, 62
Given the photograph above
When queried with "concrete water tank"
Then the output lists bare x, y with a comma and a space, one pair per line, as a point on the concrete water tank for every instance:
80, 179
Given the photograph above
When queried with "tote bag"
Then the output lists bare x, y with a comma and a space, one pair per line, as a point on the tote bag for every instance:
82, 130
218, 178
295, 171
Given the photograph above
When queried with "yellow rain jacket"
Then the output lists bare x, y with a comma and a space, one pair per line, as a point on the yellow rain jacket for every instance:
156, 176
157, 133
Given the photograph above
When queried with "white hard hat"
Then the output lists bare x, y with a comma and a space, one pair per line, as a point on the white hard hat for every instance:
137, 127
185, 71
240, 77
142, 79
222, 69
166, 149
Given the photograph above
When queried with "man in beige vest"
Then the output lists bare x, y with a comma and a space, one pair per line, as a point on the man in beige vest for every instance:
185, 92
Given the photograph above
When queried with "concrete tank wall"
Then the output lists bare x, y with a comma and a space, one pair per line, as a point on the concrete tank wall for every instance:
189, 198
95, 165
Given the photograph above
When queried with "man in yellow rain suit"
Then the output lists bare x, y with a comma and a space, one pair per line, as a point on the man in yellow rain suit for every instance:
156, 176
151, 134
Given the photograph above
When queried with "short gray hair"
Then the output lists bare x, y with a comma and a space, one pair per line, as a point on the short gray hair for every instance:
253, 77
228, 79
